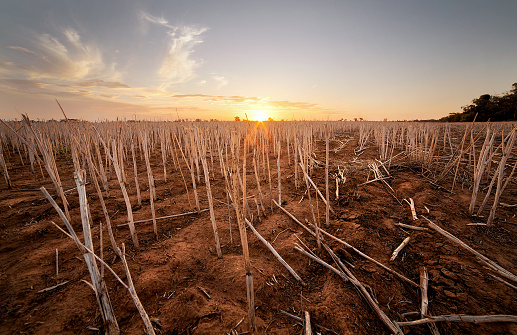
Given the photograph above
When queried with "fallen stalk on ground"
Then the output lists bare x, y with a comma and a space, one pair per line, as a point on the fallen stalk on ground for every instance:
460, 318
277, 255
483, 259
89, 252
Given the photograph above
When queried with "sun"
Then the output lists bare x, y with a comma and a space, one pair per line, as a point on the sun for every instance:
260, 116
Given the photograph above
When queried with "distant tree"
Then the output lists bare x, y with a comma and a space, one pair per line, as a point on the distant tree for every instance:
488, 107
237, 118
270, 119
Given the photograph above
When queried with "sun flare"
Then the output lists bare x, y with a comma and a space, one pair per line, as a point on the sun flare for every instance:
260, 116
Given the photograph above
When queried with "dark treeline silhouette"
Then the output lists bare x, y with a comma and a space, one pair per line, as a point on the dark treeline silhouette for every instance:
488, 107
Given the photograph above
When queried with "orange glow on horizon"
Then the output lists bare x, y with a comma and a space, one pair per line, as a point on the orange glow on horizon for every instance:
260, 116
250, 138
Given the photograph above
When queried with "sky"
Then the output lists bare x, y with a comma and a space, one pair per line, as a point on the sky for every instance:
292, 59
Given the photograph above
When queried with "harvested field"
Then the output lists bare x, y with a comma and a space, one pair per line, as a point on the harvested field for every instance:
376, 170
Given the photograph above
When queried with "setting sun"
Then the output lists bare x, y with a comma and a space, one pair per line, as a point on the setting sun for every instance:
260, 116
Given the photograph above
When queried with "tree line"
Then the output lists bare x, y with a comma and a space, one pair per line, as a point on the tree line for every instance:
488, 107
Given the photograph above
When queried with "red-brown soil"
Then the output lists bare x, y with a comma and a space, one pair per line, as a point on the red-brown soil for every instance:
170, 273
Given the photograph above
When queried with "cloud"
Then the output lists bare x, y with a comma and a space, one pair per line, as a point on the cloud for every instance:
251, 101
292, 105
21, 84
25, 50
146, 18
102, 83
65, 58
221, 81
238, 99
181, 96
178, 65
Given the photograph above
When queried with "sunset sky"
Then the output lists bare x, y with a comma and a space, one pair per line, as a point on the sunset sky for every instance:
395, 59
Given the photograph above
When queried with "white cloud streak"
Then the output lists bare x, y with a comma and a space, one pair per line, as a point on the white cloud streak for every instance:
24, 50
65, 58
221, 81
178, 65
146, 18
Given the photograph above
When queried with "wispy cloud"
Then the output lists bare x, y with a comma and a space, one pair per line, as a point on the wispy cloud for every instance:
21, 84
63, 58
221, 81
179, 65
146, 18
284, 104
102, 83
25, 50
252, 101
182, 96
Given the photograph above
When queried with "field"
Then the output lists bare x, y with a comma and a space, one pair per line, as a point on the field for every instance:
181, 198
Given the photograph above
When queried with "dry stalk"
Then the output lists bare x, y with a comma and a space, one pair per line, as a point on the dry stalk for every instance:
461, 318
114, 160
410, 227
135, 171
308, 330
481, 258
399, 248
202, 152
275, 253
49, 162
411, 204
93, 174
152, 192
191, 168
480, 167
409, 281
101, 292
294, 317
317, 190
4, 166
57, 263
279, 174
327, 193
403, 278
424, 280
244, 237
179, 167
86, 250
131, 288
165, 217
257, 179
270, 183
394, 328
320, 261
507, 151
315, 221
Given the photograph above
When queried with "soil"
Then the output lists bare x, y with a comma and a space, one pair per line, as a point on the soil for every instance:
186, 289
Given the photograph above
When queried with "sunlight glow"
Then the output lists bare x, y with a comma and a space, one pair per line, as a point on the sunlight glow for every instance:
260, 116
